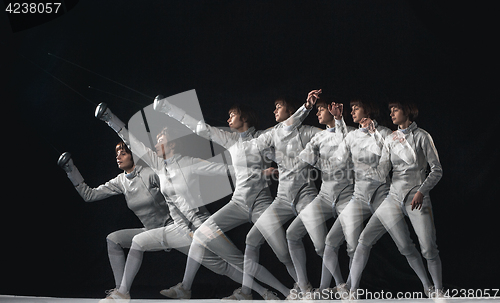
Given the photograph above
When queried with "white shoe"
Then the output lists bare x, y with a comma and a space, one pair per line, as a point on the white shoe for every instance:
309, 287
296, 292
270, 296
237, 296
347, 295
113, 296
440, 293
436, 293
177, 292
292, 296
429, 291
341, 292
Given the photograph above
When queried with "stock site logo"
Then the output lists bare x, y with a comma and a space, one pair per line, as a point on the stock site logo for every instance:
25, 15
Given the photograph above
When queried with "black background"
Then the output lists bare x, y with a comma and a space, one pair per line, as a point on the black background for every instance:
444, 55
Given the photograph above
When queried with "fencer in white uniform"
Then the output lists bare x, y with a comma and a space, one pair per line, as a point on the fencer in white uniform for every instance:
141, 188
363, 147
249, 200
295, 188
336, 191
179, 182
409, 151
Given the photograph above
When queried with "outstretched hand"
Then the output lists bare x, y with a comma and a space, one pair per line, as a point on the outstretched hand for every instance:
312, 97
368, 124
336, 110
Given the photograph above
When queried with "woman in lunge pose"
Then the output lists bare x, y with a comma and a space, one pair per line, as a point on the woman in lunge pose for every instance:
141, 188
250, 198
363, 147
295, 189
179, 183
409, 151
335, 192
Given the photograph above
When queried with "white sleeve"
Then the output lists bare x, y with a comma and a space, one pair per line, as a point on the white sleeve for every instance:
340, 127
110, 188
380, 172
201, 128
207, 168
432, 157
310, 154
297, 118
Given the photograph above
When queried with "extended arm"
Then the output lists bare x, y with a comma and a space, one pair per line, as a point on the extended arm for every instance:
199, 127
88, 194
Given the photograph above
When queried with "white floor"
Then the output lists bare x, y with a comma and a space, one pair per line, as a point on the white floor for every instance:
20, 299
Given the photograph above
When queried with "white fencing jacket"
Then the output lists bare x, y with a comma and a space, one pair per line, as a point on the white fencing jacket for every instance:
318, 153
365, 150
288, 139
141, 189
247, 159
179, 180
409, 152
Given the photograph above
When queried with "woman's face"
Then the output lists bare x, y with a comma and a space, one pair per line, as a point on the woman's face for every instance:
324, 116
235, 121
163, 148
358, 113
280, 112
124, 160
397, 116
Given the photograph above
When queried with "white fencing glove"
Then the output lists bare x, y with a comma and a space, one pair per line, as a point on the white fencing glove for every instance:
162, 105
66, 163
102, 112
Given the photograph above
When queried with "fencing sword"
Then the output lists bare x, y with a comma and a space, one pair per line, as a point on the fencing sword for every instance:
97, 74
142, 110
116, 82
58, 80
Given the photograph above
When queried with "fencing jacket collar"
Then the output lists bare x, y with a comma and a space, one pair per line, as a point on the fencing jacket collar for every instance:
412, 127
331, 129
172, 159
133, 173
248, 132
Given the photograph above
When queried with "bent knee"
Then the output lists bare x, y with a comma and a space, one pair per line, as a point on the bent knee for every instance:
320, 249
254, 237
138, 242
430, 253
198, 237
293, 235
113, 238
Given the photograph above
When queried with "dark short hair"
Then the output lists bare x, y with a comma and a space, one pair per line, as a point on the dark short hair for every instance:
368, 105
326, 99
289, 102
246, 113
122, 146
323, 102
408, 107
